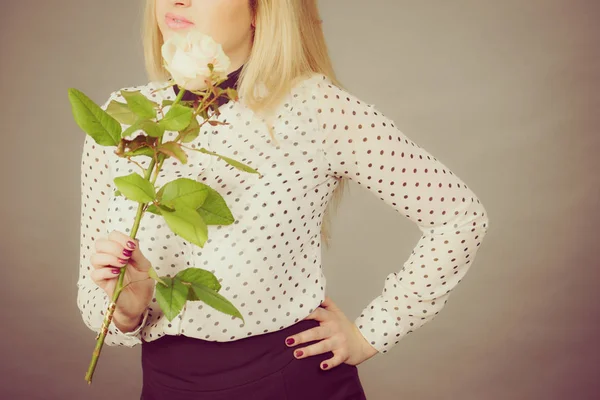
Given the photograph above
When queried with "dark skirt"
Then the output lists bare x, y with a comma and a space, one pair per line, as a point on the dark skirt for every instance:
260, 367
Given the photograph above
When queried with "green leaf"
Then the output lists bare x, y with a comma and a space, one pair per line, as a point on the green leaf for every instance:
214, 210
232, 93
171, 298
191, 132
204, 114
131, 129
188, 224
167, 103
200, 276
177, 118
231, 161
239, 165
152, 273
153, 209
192, 296
173, 149
135, 188
151, 128
140, 104
121, 112
183, 191
165, 208
142, 151
215, 300
93, 120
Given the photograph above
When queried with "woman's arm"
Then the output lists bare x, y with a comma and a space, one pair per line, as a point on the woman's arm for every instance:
363, 145
96, 189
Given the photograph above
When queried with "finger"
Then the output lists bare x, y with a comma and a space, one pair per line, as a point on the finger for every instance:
319, 314
113, 247
124, 240
309, 335
322, 346
337, 359
139, 263
102, 260
137, 260
99, 276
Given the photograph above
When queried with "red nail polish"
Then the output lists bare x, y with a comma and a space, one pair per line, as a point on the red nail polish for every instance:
324, 365
115, 271
131, 245
290, 341
299, 353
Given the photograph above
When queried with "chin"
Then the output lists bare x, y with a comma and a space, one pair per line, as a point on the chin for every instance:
166, 34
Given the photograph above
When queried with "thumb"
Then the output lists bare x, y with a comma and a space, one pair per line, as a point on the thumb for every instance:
329, 304
138, 261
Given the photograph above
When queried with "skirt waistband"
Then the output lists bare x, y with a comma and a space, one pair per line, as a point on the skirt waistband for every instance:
185, 363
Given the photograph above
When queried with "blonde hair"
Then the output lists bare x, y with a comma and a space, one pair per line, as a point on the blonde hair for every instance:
288, 44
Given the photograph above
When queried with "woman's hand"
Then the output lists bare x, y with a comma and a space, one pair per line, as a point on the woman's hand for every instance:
112, 253
336, 334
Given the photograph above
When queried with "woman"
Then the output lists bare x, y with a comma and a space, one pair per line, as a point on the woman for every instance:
305, 136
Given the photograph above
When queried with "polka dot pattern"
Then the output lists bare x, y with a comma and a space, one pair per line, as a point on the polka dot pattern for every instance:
96, 191
363, 145
269, 260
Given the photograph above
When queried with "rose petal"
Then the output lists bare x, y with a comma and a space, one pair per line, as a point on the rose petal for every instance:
187, 58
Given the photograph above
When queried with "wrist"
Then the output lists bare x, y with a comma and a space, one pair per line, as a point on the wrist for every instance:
126, 323
368, 349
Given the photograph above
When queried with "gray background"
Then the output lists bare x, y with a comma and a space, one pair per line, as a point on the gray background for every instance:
504, 93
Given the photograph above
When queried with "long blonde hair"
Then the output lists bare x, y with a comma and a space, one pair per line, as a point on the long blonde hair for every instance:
288, 44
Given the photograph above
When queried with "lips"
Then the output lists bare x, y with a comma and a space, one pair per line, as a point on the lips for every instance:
177, 21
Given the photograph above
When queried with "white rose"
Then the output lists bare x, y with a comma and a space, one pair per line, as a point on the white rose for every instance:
186, 57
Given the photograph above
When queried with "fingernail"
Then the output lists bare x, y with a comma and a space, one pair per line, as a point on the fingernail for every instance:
299, 353
127, 253
122, 261
290, 341
115, 271
131, 245
324, 366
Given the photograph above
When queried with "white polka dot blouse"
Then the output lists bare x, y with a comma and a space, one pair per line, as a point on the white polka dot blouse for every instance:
269, 260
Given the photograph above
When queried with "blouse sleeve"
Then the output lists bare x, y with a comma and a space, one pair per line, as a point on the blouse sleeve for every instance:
363, 145
96, 189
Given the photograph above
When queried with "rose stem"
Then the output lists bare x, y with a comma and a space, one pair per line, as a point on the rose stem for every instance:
111, 308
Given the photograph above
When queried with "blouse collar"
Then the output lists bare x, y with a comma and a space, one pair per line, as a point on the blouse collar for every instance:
230, 82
